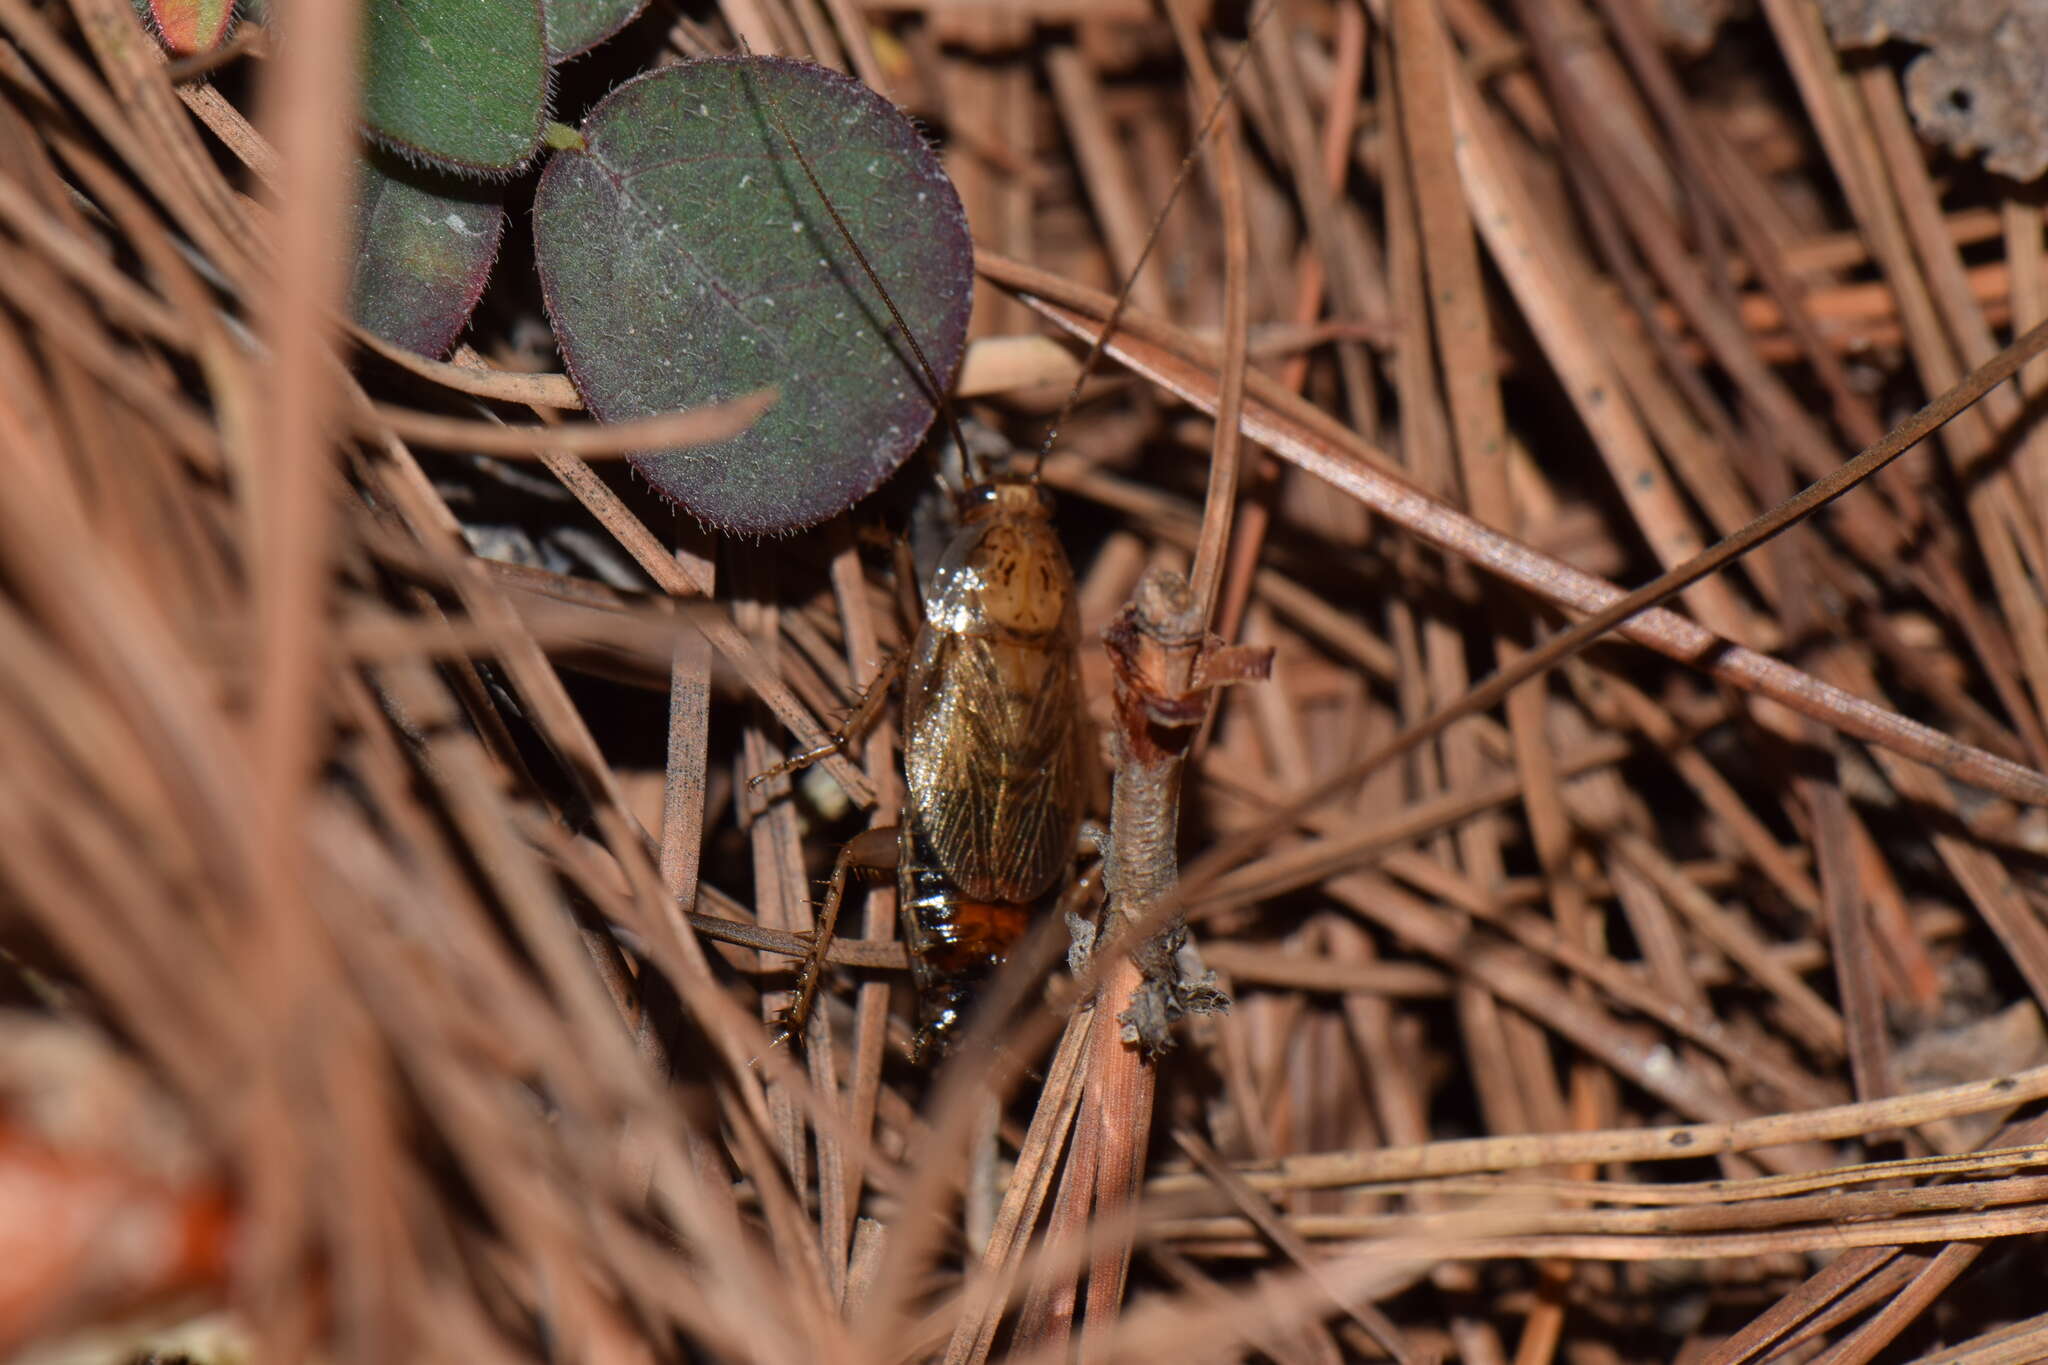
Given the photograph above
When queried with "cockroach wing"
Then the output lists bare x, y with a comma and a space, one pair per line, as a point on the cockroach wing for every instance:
992, 706
993, 759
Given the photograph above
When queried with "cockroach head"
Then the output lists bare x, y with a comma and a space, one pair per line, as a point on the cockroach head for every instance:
1010, 495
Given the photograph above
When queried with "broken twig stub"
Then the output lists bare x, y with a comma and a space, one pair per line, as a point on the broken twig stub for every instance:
1165, 663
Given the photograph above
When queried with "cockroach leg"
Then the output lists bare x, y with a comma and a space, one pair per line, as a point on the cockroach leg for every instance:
865, 709
875, 850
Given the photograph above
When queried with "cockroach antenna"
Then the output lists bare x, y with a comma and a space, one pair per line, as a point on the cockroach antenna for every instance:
1123, 297
969, 459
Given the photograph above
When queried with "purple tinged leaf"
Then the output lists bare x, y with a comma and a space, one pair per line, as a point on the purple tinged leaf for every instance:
461, 84
424, 248
576, 26
686, 260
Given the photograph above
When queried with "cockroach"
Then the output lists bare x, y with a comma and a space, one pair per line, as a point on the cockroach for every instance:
994, 748
994, 758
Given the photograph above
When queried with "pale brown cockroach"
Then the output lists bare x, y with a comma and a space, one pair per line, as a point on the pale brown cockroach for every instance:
994, 748
994, 759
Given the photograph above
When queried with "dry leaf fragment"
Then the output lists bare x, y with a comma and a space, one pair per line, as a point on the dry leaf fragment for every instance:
1690, 25
1982, 84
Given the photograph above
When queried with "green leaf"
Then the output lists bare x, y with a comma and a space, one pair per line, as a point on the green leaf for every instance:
188, 26
685, 260
576, 26
459, 83
424, 247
